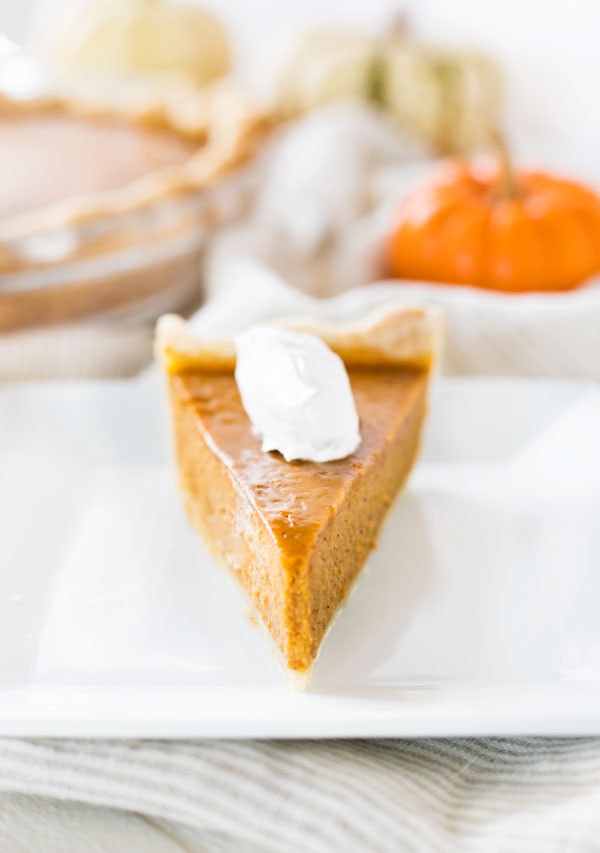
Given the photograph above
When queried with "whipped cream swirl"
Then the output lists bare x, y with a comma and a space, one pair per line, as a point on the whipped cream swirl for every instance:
297, 394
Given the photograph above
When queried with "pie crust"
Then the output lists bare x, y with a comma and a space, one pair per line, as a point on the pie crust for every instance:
394, 334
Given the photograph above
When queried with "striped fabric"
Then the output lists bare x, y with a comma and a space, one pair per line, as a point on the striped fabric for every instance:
87, 351
445, 795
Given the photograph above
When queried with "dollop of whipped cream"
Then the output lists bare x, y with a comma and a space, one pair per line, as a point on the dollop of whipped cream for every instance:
297, 394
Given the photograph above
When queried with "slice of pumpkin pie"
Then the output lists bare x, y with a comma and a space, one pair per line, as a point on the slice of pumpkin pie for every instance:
292, 440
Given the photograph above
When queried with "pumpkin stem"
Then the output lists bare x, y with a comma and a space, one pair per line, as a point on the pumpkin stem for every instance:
508, 181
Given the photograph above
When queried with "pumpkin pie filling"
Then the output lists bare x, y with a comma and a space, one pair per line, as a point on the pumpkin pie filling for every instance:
48, 157
294, 534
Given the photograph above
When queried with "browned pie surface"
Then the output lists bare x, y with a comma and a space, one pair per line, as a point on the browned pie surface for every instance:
295, 534
47, 157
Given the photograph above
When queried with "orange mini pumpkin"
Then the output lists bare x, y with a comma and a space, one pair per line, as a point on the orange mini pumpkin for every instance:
481, 225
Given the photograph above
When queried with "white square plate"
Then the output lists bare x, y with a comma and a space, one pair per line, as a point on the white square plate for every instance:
479, 613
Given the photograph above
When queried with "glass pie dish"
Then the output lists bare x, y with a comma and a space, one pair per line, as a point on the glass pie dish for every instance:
110, 198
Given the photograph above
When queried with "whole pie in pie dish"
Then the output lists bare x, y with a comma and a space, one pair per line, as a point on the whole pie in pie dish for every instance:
296, 534
83, 179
